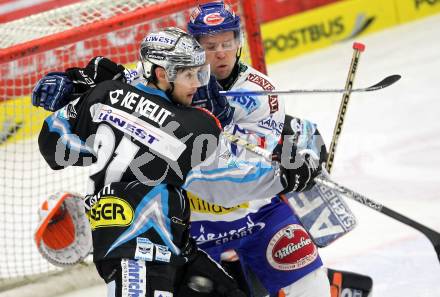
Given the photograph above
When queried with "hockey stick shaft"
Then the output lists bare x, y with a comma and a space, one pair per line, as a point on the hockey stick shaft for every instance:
386, 82
433, 236
358, 49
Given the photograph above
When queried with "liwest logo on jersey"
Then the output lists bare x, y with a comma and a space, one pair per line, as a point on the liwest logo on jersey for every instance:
110, 211
201, 206
291, 248
139, 104
158, 140
133, 278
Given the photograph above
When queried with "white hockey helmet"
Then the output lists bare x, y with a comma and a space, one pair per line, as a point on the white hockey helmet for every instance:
173, 49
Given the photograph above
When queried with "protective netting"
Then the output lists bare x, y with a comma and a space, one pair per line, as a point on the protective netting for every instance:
25, 179
65, 18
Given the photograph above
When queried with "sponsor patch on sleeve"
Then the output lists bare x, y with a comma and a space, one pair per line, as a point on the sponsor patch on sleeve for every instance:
267, 86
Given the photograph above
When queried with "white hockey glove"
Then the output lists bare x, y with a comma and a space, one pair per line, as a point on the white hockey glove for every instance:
63, 237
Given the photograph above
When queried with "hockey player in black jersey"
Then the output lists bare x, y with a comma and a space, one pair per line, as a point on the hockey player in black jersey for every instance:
144, 145
154, 127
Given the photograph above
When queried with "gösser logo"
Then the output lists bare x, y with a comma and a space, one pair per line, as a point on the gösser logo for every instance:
110, 211
291, 248
213, 19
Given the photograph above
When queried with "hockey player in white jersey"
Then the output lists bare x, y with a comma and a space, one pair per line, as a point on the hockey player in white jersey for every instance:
259, 232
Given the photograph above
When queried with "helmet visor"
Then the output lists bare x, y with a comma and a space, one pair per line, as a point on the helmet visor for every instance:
197, 76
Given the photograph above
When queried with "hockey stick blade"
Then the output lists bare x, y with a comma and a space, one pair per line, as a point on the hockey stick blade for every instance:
386, 82
433, 236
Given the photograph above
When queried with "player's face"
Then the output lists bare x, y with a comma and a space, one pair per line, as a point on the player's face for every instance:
221, 51
187, 81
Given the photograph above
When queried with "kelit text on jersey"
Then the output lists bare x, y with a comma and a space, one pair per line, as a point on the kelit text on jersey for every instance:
140, 104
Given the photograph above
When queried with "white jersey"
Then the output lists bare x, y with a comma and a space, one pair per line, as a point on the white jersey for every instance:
260, 120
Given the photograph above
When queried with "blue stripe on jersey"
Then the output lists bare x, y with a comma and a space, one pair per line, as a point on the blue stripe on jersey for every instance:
152, 212
232, 166
62, 127
219, 175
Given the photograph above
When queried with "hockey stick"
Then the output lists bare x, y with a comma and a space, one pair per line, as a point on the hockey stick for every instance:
358, 49
386, 82
433, 236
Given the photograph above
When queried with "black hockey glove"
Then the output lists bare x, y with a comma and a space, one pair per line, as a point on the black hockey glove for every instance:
298, 167
209, 97
99, 69
57, 89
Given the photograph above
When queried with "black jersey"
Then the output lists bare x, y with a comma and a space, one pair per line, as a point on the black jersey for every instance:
129, 134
